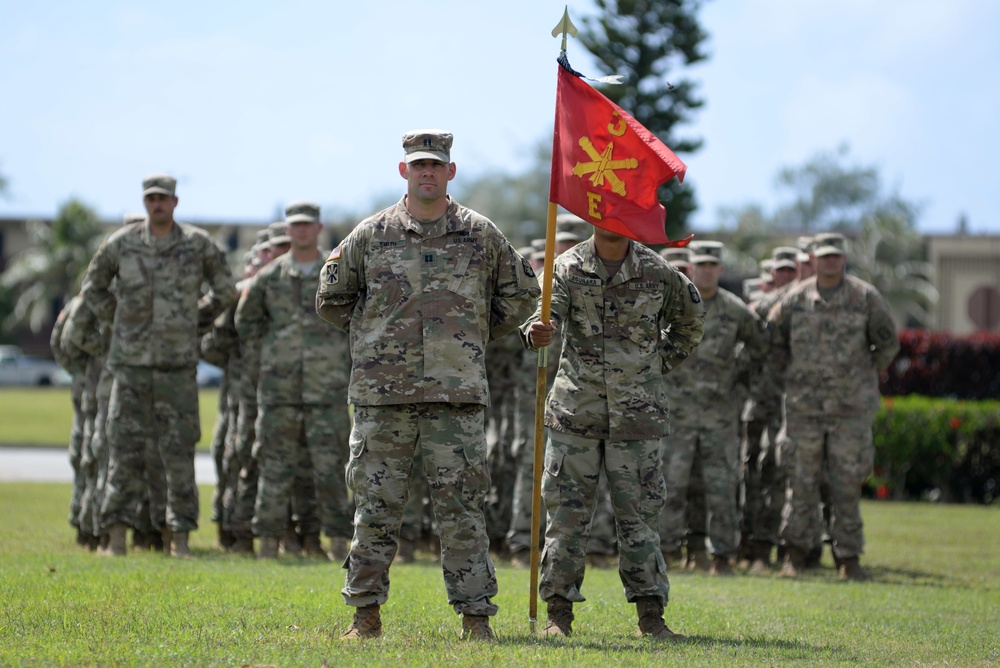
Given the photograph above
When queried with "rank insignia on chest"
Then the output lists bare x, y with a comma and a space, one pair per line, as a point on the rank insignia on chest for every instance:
331, 272
428, 258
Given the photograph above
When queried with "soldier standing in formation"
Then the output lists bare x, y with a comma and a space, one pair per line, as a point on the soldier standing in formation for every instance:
421, 287
704, 412
303, 421
156, 313
831, 336
626, 317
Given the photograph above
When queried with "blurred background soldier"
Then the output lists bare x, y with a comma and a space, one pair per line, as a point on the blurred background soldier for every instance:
303, 422
764, 478
831, 336
157, 313
704, 412
679, 259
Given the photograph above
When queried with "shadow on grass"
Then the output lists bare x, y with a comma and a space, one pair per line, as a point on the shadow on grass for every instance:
643, 644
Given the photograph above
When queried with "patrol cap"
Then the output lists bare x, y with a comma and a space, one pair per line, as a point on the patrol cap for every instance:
751, 287
706, 251
804, 243
277, 233
766, 266
525, 251
261, 242
803, 257
676, 254
163, 184
567, 236
538, 256
130, 218
783, 257
301, 212
538, 244
829, 243
570, 222
427, 145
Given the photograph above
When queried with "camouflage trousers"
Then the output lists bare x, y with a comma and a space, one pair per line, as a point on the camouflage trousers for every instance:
302, 447
76, 445
96, 459
573, 467
841, 448
764, 480
453, 445
418, 515
152, 431
719, 452
238, 506
218, 451
603, 538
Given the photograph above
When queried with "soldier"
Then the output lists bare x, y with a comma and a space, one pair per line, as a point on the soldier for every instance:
831, 336
704, 411
156, 315
303, 422
764, 478
679, 259
626, 317
422, 286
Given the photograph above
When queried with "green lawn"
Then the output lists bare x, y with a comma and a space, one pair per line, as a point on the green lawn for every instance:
935, 600
44, 415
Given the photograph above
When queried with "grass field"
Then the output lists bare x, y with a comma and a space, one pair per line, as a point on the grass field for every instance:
44, 415
935, 600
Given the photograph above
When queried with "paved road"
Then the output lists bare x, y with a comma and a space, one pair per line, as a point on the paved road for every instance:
52, 465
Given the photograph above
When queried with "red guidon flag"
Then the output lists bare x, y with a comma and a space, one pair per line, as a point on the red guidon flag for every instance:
606, 166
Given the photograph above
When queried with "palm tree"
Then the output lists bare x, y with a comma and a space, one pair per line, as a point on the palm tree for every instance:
49, 272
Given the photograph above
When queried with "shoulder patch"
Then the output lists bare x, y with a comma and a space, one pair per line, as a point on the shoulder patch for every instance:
526, 266
335, 253
695, 295
331, 272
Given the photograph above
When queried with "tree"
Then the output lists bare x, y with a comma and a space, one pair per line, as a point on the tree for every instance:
517, 203
828, 194
645, 40
49, 272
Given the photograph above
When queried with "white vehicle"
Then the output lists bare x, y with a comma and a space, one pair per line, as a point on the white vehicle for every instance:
16, 368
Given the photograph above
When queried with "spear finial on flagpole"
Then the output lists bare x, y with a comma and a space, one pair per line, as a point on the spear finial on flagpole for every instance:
565, 26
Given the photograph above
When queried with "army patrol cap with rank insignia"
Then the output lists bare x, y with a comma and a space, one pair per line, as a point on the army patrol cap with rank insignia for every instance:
164, 184
301, 212
427, 145
783, 257
706, 251
829, 243
277, 233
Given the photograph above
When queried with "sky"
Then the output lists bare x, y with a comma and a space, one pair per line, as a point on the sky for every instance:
252, 105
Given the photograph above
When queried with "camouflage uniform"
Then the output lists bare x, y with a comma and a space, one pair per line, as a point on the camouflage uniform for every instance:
420, 304
829, 353
607, 410
704, 424
154, 351
302, 423
503, 358
76, 366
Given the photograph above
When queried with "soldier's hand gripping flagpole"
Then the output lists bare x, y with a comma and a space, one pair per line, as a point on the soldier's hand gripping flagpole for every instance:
564, 27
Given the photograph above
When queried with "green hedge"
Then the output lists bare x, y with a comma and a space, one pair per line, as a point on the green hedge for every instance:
938, 449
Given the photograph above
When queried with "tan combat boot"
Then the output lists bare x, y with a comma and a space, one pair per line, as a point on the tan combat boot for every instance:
312, 547
268, 548
794, 563
698, 561
560, 611
179, 545
290, 543
720, 566
850, 569
761, 558
242, 545
477, 627
367, 624
405, 553
117, 546
339, 549
650, 611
